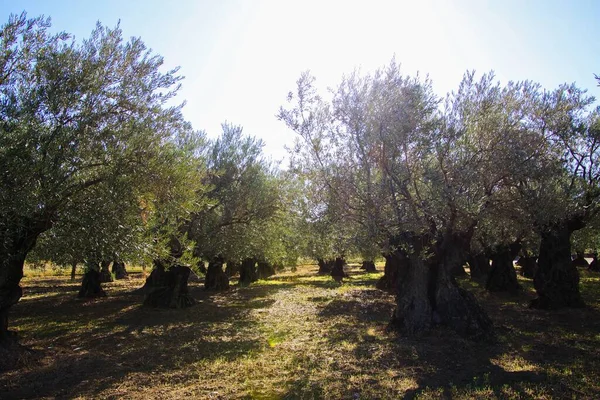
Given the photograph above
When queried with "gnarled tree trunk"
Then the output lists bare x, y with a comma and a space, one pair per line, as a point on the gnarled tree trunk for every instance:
91, 285
337, 272
368, 266
105, 275
155, 279
17, 237
458, 247
557, 280
170, 288
202, 267
479, 266
528, 266
428, 295
118, 269
232, 268
503, 276
248, 272
324, 266
264, 270
215, 276
396, 265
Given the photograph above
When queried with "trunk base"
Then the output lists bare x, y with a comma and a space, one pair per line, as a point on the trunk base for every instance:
479, 266
337, 272
248, 272
503, 276
171, 290
264, 270
105, 275
528, 266
557, 279
91, 286
216, 279
325, 266
396, 265
231, 269
368, 266
429, 296
118, 269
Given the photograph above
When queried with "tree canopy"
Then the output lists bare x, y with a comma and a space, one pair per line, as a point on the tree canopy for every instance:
98, 163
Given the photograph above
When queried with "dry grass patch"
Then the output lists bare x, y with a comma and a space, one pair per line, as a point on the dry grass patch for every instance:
296, 335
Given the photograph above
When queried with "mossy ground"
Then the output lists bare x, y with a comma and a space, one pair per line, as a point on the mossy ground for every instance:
294, 336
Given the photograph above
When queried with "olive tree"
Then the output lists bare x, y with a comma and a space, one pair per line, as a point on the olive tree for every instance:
417, 174
73, 116
243, 195
561, 192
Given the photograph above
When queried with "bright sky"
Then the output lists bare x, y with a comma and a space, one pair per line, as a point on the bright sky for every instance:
240, 58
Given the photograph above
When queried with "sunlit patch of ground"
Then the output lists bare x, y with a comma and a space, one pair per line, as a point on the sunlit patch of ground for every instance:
296, 335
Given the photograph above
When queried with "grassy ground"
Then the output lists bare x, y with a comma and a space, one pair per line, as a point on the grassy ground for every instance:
294, 336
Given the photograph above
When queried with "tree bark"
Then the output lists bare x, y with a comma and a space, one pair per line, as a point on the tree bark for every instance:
17, 238
458, 247
264, 270
337, 272
369, 266
73, 270
118, 269
503, 276
232, 268
557, 280
248, 272
91, 285
528, 266
479, 265
105, 275
215, 277
414, 312
170, 288
396, 265
428, 295
155, 279
324, 266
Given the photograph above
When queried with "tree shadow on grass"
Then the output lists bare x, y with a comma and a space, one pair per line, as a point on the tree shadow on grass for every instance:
91, 346
439, 362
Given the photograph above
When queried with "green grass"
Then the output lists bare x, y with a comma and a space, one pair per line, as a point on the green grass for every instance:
294, 336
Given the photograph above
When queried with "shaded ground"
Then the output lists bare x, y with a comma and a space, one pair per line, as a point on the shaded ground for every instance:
294, 336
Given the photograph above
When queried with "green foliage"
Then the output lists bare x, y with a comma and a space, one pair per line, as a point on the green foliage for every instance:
91, 145
245, 216
492, 161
